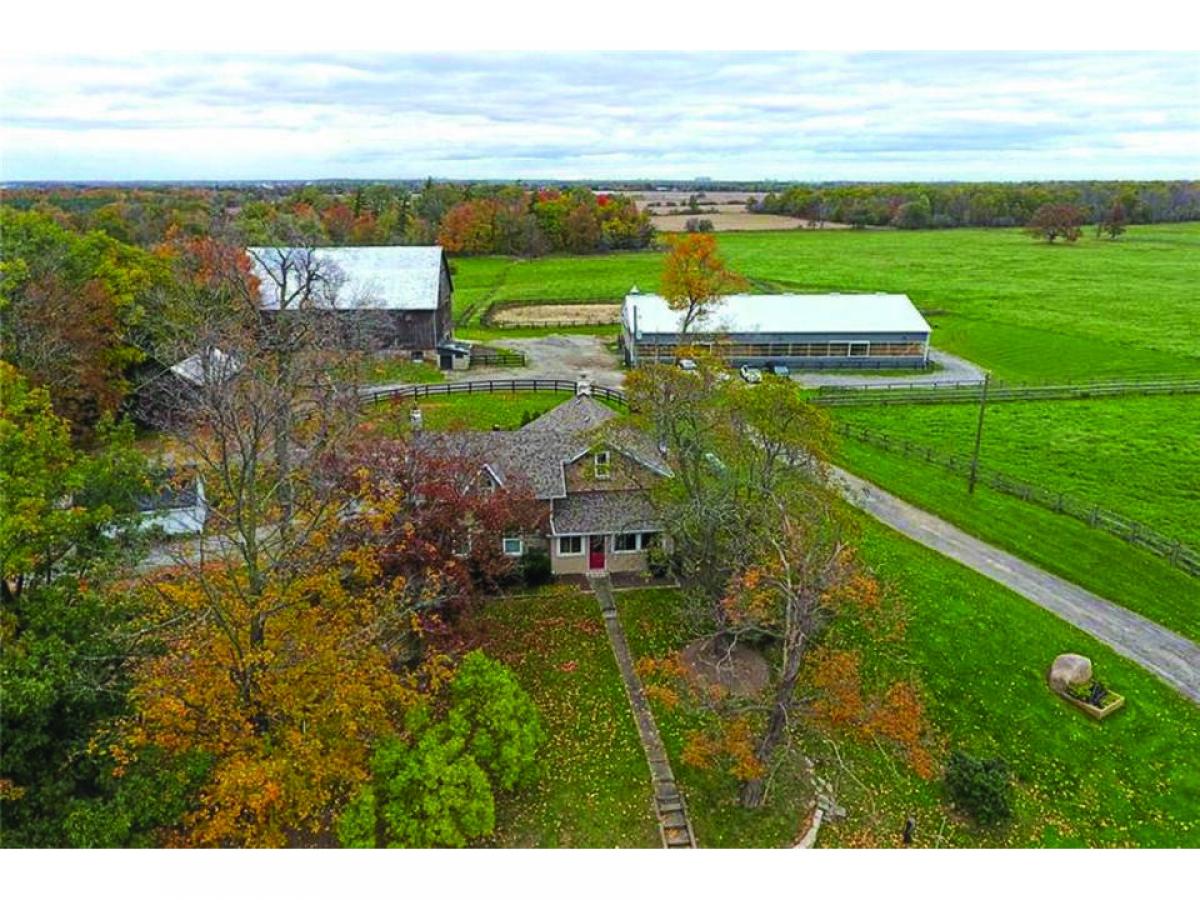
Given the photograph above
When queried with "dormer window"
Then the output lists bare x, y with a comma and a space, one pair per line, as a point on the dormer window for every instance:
603, 464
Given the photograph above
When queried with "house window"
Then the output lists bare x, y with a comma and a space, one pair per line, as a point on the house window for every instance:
462, 545
570, 546
418, 356
626, 543
649, 539
513, 546
603, 463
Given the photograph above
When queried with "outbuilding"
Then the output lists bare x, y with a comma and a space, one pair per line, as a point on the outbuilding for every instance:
803, 331
385, 298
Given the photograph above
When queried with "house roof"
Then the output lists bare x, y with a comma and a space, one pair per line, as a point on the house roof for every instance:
580, 413
781, 314
215, 367
407, 278
603, 512
538, 451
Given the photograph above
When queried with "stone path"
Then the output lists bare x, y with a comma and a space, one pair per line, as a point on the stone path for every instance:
1171, 657
673, 822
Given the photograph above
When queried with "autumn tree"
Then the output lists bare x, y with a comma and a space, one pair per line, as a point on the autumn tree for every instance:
695, 278
804, 557
730, 446
1057, 220
73, 306
1114, 221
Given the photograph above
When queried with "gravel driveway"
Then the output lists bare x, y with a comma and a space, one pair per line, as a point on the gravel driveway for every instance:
566, 356
954, 370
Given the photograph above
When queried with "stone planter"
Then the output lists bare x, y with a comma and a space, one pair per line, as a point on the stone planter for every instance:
1118, 700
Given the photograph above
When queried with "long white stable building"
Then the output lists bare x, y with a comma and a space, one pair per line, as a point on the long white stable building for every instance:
813, 331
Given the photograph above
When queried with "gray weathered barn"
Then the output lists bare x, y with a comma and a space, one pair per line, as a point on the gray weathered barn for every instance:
393, 298
810, 331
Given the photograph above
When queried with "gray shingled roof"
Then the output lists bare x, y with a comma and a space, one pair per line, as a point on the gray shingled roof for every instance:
580, 413
603, 512
537, 454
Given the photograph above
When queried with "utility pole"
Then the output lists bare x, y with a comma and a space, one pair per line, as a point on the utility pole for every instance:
987, 377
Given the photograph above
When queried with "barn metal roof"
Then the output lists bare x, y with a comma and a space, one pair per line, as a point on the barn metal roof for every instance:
782, 314
370, 277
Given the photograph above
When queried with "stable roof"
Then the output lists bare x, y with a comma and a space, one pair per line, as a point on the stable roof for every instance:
406, 278
781, 314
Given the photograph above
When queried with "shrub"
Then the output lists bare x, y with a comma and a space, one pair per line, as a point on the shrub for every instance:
535, 567
496, 720
980, 787
427, 793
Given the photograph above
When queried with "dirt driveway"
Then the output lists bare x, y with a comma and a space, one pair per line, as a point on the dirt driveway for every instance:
567, 356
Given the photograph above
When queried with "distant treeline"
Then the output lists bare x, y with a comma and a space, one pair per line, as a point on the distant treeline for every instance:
987, 204
466, 218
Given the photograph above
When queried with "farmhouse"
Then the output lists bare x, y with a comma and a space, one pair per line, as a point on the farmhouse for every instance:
813, 331
592, 476
390, 298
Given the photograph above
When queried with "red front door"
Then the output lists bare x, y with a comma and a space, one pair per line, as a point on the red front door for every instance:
596, 551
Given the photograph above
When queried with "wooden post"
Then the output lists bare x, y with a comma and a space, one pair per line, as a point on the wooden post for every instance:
978, 435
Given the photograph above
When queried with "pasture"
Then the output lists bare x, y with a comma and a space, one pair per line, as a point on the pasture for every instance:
1025, 310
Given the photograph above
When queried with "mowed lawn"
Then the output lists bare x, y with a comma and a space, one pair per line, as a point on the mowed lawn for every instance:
482, 411
1026, 310
1137, 456
981, 653
1102, 563
594, 789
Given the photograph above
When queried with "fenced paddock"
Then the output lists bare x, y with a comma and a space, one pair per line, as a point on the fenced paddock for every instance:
972, 391
493, 386
496, 356
1137, 533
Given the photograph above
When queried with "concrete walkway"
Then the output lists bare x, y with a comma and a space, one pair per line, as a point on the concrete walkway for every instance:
1173, 658
673, 822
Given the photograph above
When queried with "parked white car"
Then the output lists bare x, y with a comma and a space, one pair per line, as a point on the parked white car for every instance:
751, 374
781, 371
687, 364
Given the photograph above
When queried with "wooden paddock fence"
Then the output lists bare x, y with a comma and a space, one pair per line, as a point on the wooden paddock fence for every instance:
1175, 552
970, 392
490, 356
493, 386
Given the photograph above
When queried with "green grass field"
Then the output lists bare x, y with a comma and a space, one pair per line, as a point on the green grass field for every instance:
981, 653
1106, 565
1026, 310
474, 412
1138, 456
594, 789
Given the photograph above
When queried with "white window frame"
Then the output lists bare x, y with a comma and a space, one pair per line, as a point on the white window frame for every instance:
504, 541
458, 550
637, 541
597, 466
570, 537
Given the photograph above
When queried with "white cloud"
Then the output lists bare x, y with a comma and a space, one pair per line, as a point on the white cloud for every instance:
781, 115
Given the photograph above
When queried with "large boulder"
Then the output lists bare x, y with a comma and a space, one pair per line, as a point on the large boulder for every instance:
1069, 669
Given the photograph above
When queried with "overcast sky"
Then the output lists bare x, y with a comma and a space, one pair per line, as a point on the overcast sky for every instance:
754, 115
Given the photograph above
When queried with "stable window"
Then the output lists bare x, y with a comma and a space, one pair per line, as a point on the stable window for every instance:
603, 464
571, 545
860, 348
513, 546
837, 348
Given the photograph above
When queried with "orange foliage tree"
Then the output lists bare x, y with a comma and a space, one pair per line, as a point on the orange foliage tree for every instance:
695, 277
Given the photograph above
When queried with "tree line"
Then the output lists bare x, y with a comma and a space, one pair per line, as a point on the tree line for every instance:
985, 204
466, 218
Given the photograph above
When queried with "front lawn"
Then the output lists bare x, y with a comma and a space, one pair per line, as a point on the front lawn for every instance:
595, 787
981, 653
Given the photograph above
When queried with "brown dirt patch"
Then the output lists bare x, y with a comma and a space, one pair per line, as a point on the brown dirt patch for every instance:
559, 314
743, 672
